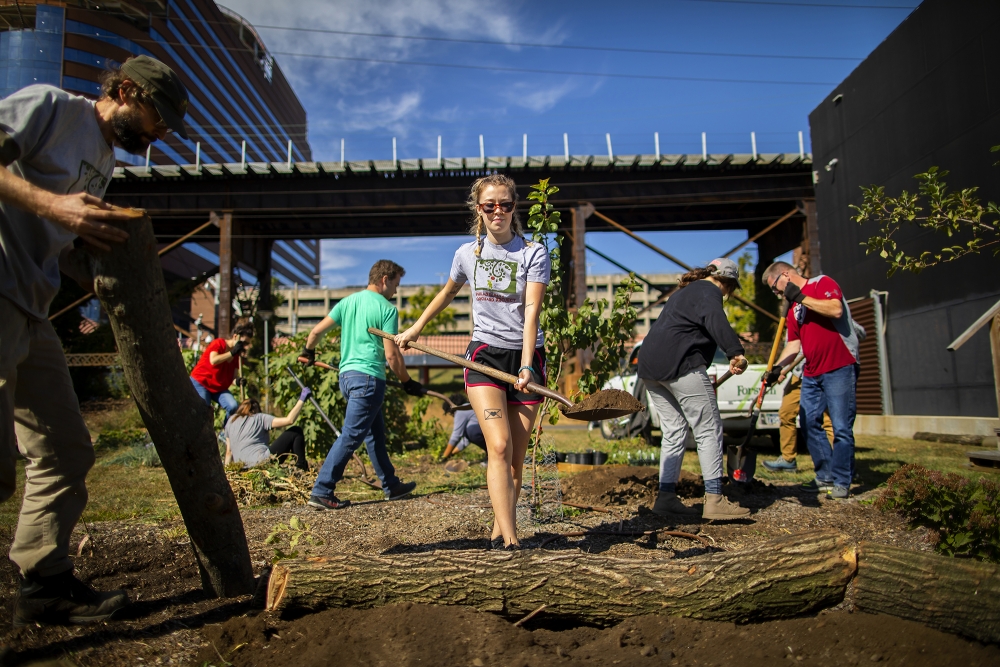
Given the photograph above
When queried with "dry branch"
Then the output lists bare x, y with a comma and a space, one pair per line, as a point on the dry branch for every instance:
781, 578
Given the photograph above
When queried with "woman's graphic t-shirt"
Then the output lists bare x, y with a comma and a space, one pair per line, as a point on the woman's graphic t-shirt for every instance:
498, 278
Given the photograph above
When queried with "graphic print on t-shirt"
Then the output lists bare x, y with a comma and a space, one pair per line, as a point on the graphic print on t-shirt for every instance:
90, 181
496, 275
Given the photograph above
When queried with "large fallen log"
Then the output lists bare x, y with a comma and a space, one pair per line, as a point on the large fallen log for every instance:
781, 578
951, 594
129, 283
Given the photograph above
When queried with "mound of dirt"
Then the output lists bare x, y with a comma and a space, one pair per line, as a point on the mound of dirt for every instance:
624, 485
605, 404
411, 634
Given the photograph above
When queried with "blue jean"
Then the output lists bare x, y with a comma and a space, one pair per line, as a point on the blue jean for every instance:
363, 422
833, 392
223, 398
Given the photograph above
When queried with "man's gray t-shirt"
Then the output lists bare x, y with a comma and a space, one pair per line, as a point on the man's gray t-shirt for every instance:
498, 278
58, 147
248, 438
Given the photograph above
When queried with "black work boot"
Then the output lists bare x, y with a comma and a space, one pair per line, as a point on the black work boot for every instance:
62, 599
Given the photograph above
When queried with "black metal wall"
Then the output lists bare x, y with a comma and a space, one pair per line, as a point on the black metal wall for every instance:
928, 95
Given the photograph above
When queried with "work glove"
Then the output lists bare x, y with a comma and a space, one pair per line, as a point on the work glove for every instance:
413, 388
772, 377
238, 348
240, 382
793, 293
310, 356
305, 394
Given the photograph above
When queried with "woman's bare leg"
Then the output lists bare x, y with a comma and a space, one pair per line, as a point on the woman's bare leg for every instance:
490, 405
522, 422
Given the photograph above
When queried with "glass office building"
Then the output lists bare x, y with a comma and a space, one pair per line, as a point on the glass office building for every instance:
241, 106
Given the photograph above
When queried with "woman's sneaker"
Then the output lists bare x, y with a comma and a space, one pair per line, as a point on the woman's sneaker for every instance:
62, 599
781, 465
328, 503
839, 493
668, 504
718, 507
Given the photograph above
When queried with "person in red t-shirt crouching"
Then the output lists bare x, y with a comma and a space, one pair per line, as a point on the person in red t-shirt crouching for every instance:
820, 326
214, 373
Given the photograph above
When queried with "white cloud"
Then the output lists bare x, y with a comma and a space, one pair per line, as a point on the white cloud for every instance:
386, 114
540, 100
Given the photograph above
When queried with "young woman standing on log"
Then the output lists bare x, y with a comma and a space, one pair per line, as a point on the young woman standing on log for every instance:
675, 355
246, 435
508, 276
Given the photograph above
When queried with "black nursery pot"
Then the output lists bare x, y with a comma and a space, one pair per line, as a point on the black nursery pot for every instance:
600, 458
560, 457
587, 458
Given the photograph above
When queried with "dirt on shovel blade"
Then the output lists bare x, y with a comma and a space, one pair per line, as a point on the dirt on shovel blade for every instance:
605, 404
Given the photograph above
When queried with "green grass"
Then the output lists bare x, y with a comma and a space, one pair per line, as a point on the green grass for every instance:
142, 493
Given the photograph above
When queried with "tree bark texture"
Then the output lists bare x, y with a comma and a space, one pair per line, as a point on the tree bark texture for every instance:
781, 578
951, 594
129, 283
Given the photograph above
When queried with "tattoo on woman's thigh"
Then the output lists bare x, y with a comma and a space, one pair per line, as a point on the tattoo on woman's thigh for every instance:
493, 413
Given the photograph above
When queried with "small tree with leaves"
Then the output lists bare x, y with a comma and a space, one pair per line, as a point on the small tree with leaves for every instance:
960, 216
591, 325
416, 305
743, 317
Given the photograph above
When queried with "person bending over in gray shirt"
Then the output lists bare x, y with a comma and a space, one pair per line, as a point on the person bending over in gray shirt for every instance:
247, 435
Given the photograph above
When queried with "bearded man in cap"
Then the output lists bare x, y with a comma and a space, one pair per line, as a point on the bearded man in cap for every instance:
58, 150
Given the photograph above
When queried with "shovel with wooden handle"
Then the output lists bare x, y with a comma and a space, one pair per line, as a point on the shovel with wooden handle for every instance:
740, 472
580, 411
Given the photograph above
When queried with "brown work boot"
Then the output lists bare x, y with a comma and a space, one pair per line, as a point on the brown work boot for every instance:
717, 506
668, 504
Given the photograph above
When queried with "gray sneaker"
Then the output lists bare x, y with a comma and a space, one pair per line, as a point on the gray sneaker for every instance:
816, 486
401, 490
839, 493
781, 465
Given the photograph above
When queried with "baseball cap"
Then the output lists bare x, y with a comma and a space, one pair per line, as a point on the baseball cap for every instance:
164, 87
726, 268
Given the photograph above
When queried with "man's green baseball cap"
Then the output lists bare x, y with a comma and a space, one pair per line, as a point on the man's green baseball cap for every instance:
164, 86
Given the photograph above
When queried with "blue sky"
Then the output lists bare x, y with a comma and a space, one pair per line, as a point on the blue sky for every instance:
629, 95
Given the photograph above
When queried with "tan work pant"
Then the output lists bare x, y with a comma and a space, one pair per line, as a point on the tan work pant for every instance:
788, 412
40, 416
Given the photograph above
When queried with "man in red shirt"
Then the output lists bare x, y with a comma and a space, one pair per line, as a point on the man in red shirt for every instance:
820, 326
214, 372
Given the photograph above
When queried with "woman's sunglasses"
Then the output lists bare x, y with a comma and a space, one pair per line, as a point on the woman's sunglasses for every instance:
488, 207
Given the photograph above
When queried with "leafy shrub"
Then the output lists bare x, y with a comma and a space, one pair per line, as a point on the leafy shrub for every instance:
118, 438
137, 456
965, 512
325, 384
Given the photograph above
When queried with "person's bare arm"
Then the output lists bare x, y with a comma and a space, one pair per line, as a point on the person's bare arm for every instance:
832, 308
317, 332
437, 304
289, 419
83, 214
792, 348
395, 360
229, 453
534, 293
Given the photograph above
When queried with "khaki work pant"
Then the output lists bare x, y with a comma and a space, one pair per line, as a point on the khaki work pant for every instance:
40, 417
788, 412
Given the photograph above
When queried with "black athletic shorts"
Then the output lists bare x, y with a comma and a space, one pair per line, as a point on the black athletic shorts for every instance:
507, 361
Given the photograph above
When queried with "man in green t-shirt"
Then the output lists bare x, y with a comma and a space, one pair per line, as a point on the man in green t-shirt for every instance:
363, 357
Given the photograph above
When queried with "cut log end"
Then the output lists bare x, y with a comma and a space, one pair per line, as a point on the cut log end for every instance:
276, 587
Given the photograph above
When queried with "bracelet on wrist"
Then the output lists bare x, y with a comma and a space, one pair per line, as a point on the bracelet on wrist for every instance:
525, 368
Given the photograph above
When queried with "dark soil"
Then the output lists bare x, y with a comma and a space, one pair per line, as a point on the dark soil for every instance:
170, 621
411, 634
624, 485
605, 404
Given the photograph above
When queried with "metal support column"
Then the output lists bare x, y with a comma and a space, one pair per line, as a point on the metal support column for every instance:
812, 230
883, 353
224, 321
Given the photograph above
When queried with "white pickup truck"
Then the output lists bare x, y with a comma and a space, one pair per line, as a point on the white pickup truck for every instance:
735, 395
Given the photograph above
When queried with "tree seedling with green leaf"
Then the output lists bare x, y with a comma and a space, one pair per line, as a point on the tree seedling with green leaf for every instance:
295, 531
